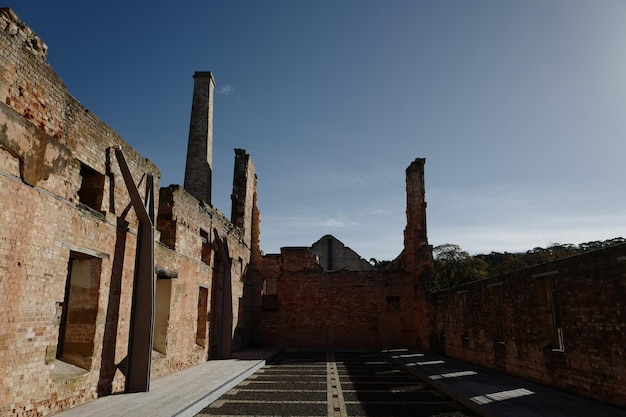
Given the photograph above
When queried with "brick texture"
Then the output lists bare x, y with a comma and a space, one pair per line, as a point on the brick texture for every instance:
507, 323
62, 196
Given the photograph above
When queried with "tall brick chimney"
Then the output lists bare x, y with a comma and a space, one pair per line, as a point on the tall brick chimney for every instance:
198, 170
243, 197
415, 237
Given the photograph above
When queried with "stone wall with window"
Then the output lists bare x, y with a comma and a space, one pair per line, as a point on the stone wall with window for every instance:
306, 307
562, 323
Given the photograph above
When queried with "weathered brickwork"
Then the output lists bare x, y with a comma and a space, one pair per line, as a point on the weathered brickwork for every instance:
68, 248
562, 324
199, 165
324, 296
341, 309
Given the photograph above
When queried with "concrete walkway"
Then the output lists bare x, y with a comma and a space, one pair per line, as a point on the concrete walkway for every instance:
486, 392
494, 394
182, 394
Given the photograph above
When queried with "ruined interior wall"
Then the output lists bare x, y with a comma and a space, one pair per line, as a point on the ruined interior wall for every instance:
341, 309
194, 255
515, 335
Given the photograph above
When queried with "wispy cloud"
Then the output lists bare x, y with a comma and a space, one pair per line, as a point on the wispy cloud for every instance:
335, 223
226, 90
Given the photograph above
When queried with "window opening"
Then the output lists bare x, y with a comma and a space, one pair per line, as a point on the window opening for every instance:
91, 188
162, 297
205, 255
79, 310
203, 310
553, 329
269, 294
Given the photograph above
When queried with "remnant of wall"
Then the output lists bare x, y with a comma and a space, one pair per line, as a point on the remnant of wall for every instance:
307, 307
334, 255
243, 196
304, 305
561, 323
67, 248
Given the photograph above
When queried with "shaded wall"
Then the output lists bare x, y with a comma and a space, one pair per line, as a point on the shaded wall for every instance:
306, 307
561, 324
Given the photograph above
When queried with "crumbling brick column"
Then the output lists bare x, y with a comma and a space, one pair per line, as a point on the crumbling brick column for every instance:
244, 191
415, 232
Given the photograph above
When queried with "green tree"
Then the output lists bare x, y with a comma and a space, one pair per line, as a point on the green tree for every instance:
454, 266
378, 264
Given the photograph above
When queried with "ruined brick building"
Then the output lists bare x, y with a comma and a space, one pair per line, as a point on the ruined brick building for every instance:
91, 255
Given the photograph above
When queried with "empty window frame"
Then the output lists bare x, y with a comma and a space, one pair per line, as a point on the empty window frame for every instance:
91, 188
548, 297
162, 297
79, 310
203, 311
205, 254
269, 294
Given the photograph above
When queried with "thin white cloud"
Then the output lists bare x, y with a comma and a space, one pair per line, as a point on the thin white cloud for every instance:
226, 90
334, 223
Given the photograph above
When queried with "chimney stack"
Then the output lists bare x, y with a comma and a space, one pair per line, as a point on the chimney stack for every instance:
198, 170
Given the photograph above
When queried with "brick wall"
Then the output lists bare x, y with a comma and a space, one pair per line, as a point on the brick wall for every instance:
561, 324
304, 306
62, 197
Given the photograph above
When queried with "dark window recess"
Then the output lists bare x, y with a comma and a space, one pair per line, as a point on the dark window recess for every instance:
205, 255
393, 303
269, 302
91, 188
203, 310
552, 321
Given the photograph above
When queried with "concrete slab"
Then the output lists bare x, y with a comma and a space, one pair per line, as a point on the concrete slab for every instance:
182, 394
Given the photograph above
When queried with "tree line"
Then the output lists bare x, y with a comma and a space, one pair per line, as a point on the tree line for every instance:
454, 266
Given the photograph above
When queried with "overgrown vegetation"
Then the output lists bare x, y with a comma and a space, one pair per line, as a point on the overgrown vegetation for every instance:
454, 266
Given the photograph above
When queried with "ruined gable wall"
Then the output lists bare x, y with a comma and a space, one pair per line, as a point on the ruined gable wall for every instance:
333, 255
515, 334
341, 309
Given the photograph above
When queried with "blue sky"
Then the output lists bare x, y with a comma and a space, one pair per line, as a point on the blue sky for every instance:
519, 108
